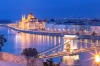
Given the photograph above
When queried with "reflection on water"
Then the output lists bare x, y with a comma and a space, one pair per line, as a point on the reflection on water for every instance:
40, 42
70, 60
16, 42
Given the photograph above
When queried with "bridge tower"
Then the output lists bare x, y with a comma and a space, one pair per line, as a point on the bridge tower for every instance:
70, 60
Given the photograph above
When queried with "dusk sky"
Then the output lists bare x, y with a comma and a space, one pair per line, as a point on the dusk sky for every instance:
13, 9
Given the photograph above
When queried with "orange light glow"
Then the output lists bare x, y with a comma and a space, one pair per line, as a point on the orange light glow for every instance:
97, 58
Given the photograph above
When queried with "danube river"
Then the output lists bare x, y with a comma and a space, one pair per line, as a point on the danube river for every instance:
16, 42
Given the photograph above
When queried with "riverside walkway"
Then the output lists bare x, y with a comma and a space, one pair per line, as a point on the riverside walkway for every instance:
80, 34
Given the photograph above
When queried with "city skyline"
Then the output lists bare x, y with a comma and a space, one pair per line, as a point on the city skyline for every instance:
13, 9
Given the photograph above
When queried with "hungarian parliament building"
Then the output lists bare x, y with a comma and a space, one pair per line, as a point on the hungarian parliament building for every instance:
31, 23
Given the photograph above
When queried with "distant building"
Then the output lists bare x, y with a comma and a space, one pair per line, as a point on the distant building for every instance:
95, 29
31, 23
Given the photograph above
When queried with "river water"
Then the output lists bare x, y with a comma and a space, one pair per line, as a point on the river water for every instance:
16, 42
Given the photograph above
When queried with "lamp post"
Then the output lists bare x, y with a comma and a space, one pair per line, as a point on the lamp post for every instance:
97, 59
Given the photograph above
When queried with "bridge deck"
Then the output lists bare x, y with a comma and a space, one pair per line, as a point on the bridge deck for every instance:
74, 52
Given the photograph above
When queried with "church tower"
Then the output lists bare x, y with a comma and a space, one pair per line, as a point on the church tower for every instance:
23, 18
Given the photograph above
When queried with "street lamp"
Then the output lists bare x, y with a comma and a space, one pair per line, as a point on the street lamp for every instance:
97, 59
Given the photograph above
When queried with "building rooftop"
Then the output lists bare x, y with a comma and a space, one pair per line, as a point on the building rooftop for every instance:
76, 21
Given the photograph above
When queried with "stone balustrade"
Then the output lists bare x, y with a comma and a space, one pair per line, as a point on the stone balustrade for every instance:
20, 59
35, 62
12, 58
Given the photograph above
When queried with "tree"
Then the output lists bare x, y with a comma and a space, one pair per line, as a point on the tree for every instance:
30, 52
94, 33
2, 40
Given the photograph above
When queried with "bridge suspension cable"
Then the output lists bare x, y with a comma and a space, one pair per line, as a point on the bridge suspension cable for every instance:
53, 48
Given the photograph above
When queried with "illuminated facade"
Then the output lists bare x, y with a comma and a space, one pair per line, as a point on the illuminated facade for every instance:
72, 39
31, 23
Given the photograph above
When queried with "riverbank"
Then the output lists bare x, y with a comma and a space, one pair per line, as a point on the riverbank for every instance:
36, 31
52, 33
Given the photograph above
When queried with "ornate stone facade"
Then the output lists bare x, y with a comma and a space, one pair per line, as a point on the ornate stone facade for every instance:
31, 23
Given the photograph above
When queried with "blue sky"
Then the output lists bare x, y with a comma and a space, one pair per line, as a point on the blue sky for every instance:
13, 9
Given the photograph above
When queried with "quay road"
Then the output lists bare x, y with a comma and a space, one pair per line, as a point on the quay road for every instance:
81, 35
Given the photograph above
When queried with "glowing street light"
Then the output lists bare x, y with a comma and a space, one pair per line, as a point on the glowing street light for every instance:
58, 29
55, 29
63, 30
97, 59
48, 29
